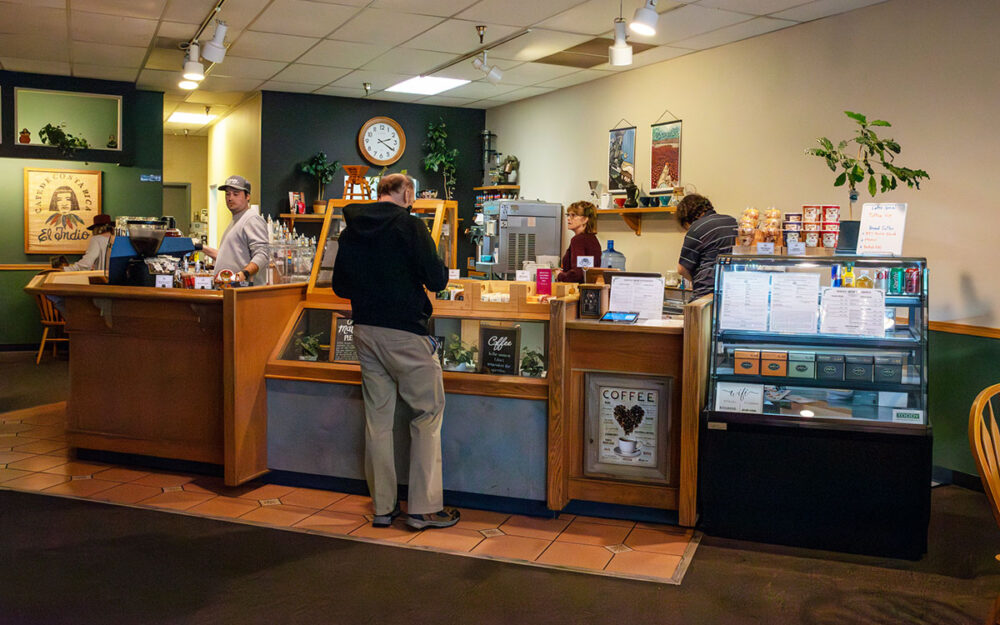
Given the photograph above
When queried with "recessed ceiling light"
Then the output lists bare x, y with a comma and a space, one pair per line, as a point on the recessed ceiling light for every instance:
190, 118
427, 85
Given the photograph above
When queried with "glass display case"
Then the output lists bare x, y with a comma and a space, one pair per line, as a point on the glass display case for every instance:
840, 340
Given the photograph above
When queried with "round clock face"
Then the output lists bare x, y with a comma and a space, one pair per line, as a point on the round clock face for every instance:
381, 141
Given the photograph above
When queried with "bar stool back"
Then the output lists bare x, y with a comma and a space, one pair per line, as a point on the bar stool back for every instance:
51, 320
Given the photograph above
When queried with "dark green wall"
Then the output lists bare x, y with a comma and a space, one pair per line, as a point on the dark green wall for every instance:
122, 191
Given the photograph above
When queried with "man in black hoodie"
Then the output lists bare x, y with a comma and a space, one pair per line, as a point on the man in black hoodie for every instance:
385, 259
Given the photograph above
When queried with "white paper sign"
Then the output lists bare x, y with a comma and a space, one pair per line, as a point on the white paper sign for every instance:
636, 294
794, 302
738, 397
164, 281
797, 248
765, 248
454, 274
203, 282
522, 275
907, 415
858, 312
744, 300
881, 230
584, 261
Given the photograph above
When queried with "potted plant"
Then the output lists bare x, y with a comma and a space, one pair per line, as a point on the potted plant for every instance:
875, 159
322, 170
66, 143
308, 345
457, 356
532, 363
439, 157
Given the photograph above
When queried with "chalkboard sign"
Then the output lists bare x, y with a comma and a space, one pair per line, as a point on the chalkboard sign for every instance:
344, 349
499, 349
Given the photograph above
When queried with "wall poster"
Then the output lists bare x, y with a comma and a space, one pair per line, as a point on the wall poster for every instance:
59, 205
621, 158
628, 426
665, 157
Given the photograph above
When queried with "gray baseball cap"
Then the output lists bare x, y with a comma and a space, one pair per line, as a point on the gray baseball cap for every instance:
235, 182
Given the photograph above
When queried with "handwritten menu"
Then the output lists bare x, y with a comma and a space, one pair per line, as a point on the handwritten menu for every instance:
744, 300
881, 230
794, 298
643, 295
499, 349
858, 312
344, 349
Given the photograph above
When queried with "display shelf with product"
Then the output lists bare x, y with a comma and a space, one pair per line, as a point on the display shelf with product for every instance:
817, 404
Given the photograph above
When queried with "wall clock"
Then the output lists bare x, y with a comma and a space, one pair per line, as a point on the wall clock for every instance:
381, 141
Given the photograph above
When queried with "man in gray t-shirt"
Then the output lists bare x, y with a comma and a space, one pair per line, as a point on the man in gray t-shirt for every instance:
243, 248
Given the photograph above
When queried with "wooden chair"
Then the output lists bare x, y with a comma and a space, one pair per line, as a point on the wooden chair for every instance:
984, 439
51, 320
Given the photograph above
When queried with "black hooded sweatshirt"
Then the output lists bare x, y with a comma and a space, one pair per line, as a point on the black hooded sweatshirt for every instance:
385, 259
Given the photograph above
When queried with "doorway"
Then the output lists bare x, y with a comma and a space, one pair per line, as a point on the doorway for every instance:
177, 204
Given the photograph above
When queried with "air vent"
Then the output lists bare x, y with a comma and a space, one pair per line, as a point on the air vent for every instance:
520, 247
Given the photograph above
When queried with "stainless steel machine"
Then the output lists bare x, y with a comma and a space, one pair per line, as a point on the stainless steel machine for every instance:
514, 231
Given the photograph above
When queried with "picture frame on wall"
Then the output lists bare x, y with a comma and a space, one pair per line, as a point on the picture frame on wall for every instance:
665, 155
621, 158
59, 205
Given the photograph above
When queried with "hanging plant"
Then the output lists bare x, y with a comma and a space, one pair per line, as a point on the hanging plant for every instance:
439, 157
66, 143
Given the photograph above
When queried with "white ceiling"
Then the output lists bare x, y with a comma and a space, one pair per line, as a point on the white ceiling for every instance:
332, 47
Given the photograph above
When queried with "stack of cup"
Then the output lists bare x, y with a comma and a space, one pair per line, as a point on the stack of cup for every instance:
831, 225
793, 228
812, 224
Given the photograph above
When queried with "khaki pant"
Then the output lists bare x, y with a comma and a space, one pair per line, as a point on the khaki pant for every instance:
395, 361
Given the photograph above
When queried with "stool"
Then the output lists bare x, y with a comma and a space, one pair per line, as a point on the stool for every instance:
356, 178
51, 320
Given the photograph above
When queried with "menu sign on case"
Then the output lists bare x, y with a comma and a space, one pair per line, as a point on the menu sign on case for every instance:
344, 349
499, 348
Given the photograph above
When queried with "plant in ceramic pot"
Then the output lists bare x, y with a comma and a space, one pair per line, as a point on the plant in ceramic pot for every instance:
532, 363
874, 159
439, 157
308, 346
66, 143
322, 170
457, 356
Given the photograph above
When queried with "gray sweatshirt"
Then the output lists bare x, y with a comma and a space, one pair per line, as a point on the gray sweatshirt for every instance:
244, 240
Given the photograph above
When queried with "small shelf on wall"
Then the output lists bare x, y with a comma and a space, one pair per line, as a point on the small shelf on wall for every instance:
633, 216
496, 192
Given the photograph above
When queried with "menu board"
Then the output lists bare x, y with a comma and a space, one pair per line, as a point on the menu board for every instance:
641, 294
858, 312
881, 229
344, 349
499, 348
794, 303
744, 300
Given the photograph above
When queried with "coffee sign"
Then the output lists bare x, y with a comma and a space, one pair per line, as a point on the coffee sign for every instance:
499, 348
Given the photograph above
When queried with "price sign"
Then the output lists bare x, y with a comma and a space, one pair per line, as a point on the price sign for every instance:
164, 281
584, 261
522, 275
765, 248
797, 249
203, 282
454, 274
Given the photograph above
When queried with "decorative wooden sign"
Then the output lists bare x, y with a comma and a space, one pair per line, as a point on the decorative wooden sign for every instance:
59, 205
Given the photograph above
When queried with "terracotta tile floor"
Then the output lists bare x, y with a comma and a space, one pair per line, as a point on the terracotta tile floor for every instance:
34, 457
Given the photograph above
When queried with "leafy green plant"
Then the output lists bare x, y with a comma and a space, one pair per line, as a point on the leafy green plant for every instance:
875, 159
532, 363
439, 157
66, 143
321, 169
308, 345
457, 353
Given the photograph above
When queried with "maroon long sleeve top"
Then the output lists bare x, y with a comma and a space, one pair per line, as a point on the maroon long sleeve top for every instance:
583, 244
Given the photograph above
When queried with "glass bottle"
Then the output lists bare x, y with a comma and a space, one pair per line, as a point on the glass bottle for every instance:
864, 281
848, 276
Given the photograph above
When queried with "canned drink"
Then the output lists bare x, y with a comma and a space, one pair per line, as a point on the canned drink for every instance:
881, 279
912, 280
835, 275
897, 284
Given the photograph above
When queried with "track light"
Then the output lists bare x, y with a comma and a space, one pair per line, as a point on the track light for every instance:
215, 50
644, 21
620, 53
493, 73
193, 69
187, 85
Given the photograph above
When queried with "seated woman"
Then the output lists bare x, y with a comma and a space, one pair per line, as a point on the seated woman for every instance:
708, 235
581, 218
96, 256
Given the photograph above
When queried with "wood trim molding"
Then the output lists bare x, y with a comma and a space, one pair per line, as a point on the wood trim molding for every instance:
961, 328
25, 267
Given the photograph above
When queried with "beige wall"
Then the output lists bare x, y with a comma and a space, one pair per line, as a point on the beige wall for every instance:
233, 149
751, 108
185, 159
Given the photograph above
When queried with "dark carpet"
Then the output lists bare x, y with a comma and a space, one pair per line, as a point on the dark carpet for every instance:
24, 384
70, 561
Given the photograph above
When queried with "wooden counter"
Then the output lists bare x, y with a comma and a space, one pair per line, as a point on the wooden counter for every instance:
172, 373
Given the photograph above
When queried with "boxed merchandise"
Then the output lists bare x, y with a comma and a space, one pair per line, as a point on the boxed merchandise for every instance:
774, 363
889, 368
858, 368
801, 365
829, 367
746, 362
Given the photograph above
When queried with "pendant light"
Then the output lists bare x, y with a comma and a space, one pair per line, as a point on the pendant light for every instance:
620, 54
644, 21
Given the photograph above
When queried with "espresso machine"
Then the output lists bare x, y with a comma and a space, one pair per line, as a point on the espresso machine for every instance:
138, 239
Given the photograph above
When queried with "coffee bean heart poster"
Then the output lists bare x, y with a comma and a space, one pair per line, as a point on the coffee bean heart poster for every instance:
499, 349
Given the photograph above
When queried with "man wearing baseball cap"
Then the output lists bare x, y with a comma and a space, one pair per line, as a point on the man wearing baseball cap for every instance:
243, 248
96, 256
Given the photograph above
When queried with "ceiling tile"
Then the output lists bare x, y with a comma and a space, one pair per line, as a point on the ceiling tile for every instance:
310, 74
444, 100
395, 97
199, 107
353, 3
594, 17
169, 60
158, 80
226, 83
580, 77
516, 12
23, 18
107, 54
237, 67
480, 104
401, 60
537, 44
466, 71
124, 31
149, 9
48, 4
289, 87
177, 30
458, 36
688, 21
736, 32
755, 7
271, 47
443, 8
534, 73
823, 8
31, 66
239, 15
190, 11
298, 17
656, 55
225, 98
123, 74
31, 47
369, 26
342, 53
344, 92
379, 80
480, 90
520, 94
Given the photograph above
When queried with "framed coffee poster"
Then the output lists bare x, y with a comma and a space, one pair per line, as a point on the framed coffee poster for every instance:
628, 426
59, 205
499, 347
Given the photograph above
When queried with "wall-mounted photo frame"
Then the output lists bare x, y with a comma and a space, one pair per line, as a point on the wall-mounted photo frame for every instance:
621, 158
59, 205
665, 155
94, 117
